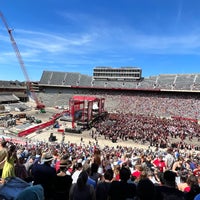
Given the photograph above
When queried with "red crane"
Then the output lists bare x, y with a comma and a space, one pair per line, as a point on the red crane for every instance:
39, 105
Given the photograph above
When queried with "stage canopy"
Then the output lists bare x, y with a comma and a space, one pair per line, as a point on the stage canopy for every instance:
84, 98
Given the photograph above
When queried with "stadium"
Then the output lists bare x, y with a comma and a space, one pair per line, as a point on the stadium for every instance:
125, 91
108, 132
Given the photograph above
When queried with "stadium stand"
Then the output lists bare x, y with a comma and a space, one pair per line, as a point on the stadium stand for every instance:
8, 98
196, 85
12, 84
57, 78
85, 80
148, 83
165, 81
71, 79
99, 83
46, 77
114, 84
131, 84
184, 82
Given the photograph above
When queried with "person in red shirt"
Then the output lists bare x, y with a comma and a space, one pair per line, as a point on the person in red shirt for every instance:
137, 172
159, 163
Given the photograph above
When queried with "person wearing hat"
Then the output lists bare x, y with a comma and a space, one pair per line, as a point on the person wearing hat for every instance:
45, 175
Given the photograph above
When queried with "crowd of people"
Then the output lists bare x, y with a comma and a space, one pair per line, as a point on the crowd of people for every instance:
168, 169
157, 104
62, 171
150, 130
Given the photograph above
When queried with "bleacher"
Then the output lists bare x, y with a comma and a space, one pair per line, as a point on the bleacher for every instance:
11, 84
148, 83
196, 85
131, 84
8, 98
55, 99
99, 83
85, 80
184, 82
189, 82
57, 78
114, 84
165, 81
72, 78
46, 77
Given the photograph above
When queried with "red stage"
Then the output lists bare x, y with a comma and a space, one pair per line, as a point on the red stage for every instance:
85, 108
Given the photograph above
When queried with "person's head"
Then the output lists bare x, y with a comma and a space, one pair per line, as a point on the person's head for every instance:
12, 148
3, 143
78, 166
180, 160
125, 174
160, 157
169, 178
94, 168
108, 175
47, 159
65, 164
169, 150
192, 180
145, 189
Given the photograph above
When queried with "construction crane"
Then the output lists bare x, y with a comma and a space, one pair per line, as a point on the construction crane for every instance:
39, 105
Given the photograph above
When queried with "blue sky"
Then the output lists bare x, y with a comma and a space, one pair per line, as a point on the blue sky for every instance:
160, 36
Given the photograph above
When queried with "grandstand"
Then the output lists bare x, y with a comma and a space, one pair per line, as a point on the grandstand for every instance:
163, 91
134, 95
165, 82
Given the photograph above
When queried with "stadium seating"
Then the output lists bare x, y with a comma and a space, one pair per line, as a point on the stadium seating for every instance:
71, 79
46, 77
165, 81
57, 78
85, 80
184, 81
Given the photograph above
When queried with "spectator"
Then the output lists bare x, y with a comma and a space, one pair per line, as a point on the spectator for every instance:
81, 190
78, 170
193, 187
168, 190
20, 169
145, 190
9, 166
169, 159
103, 186
159, 163
45, 175
94, 174
122, 190
63, 181
178, 165
183, 175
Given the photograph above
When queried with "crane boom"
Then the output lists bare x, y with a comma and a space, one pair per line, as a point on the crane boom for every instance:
39, 105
